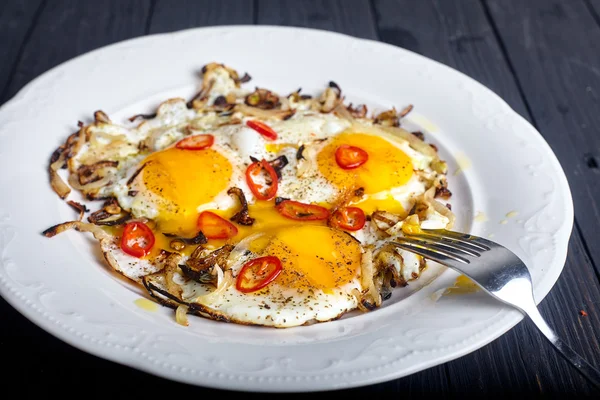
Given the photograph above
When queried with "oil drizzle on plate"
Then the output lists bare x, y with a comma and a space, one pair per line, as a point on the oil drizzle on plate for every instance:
146, 304
463, 163
462, 285
480, 217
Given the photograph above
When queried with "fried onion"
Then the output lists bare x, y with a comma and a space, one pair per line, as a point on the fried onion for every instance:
264, 114
242, 217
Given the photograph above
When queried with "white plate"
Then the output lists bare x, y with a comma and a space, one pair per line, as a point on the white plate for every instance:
61, 285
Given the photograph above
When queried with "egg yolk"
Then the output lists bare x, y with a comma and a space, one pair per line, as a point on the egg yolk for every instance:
181, 180
312, 256
387, 167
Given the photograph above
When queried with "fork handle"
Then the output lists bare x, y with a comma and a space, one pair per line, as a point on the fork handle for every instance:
591, 373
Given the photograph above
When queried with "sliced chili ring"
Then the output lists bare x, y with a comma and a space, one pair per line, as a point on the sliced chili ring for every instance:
348, 218
196, 142
215, 227
301, 211
137, 239
262, 128
258, 273
350, 157
252, 173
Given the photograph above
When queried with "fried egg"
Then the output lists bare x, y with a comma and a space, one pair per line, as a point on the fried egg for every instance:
320, 270
167, 187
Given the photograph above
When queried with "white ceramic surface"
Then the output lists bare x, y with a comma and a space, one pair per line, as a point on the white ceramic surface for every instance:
62, 286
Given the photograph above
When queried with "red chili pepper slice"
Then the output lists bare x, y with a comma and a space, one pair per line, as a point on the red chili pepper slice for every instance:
196, 142
137, 239
258, 273
215, 227
262, 128
348, 218
349, 157
302, 211
252, 173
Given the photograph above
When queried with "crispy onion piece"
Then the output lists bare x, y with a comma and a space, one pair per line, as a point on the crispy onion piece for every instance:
171, 266
405, 111
100, 116
387, 118
232, 72
384, 220
242, 217
341, 111
59, 160
181, 315
74, 182
58, 185
222, 103
110, 214
198, 239
360, 111
199, 100
428, 198
441, 188
155, 285
264, 114
75, 145
99, 233
263, 99
87, 174
390, 262
330, 98
142, 116
201, 263
224, 279
80, 208
370, 298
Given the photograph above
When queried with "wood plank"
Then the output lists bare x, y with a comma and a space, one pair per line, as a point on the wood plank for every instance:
16, 20
65, 29
458, 34
352, 17
552, 46
188, 14
594, 7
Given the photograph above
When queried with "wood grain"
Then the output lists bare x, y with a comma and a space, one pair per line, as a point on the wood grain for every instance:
458, 34
17, 20
352, 17
552, 46
169, 16
65, 29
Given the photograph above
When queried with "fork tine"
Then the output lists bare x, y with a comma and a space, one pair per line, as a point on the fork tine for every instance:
464, 238
447, 244
426, 250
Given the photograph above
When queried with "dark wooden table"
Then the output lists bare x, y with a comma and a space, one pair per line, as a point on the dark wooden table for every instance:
541, 56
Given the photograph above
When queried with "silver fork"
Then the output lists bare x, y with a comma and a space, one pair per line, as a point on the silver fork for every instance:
498, 271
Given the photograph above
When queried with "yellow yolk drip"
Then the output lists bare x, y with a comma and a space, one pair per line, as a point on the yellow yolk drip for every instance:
387, 167
312, 256
181, 180
463, 285
266, 219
